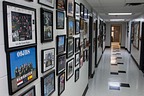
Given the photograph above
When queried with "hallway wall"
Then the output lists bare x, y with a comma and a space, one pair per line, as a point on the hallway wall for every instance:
71, 88
134, 51
108, 33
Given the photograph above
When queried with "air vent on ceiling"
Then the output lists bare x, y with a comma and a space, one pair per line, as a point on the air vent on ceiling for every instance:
133, 4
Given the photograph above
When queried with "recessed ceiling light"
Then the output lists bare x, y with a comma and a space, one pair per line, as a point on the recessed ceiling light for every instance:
117, 19
119, 13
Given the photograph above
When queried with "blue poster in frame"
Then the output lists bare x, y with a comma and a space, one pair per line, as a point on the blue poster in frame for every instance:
22, 68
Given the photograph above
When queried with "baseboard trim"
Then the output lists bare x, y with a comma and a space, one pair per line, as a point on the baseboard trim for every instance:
92, 75
135, 62
98, 62
85, 91
107, 46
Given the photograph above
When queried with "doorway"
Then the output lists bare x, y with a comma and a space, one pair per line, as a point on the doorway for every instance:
116, 35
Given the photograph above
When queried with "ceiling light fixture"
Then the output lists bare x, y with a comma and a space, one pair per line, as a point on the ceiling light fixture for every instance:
117, 19
119, 13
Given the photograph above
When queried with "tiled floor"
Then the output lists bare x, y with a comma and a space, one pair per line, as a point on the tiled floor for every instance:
116, 76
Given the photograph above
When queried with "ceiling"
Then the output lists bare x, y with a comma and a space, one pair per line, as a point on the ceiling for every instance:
103, 7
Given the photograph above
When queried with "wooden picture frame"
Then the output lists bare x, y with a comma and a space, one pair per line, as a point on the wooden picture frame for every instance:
61, 4
60, 19
29, 92
77, 27
61, 62
77, 11
22, 68
70, 47
77, 74
70, 8
19, 33
48, 84
81, 24
60, 43
61, 83
77, 59
48, 59
70, 26
48, 3
46, 25
69, 69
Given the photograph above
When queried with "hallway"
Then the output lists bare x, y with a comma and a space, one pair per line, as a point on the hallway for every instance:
116, 75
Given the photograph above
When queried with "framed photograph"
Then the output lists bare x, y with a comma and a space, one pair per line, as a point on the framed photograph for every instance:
46, 25
81, 24
29, 92
76, 74
49, 3
85, 42
85, 28
60, 43
60, 19
77, 11
70, 47
61, 4
81, 61
48, 59
48, 84
19, 25
85, 13
81, 10
69, 69
61, 62
77, 44
61, 83
70, 8
77, 59
77, 27
136, 34
22, 68
70, 26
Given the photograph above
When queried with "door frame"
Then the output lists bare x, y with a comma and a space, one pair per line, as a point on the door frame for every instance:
119, 34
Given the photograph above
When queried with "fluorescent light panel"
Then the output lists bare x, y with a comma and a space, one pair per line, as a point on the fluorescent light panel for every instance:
117, 19
119, 13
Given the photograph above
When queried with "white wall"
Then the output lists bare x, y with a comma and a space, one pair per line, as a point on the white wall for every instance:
71, 88
108, 32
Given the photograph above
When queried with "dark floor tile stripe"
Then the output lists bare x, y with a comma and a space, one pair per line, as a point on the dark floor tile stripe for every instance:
114, 88
114, 73
124, 85
120, 63
121, 71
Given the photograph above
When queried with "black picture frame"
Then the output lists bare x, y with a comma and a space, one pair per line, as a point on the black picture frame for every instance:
77, 44
77, 74
61, 83
47, 3
61, 4
70, 26
29, 92
47, 59
77, 27
60, 43
61, 62
70, 8
46, 27
23, 33
60, 19
77, 11
22, 68
77, 59
70, 47
81, 10
69, 69
50, 84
